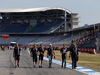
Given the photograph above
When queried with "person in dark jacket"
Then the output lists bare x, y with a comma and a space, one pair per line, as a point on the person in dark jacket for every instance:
50, 53
16, 55
64, 55
74, 52
41, 55
34, 55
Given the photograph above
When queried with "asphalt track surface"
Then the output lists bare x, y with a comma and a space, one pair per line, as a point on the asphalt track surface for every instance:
26, 66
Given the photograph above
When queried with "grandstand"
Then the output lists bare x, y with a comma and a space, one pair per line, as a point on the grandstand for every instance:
37, 20
46, 25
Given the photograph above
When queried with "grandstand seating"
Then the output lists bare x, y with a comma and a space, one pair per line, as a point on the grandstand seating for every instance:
88, 44
43, 39
45, 27
13, 28
85, 40
12, 38
26, 39
55, 40
30, 39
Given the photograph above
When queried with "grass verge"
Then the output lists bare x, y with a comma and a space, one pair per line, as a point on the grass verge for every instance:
85, 60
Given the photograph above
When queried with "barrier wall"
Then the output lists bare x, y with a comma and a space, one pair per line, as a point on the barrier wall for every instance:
90, 50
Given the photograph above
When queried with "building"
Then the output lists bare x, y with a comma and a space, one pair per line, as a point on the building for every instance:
37, 20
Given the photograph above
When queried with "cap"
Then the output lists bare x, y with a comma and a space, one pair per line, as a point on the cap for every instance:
50, 44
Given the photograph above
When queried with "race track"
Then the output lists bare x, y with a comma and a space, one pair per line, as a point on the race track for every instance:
25, 67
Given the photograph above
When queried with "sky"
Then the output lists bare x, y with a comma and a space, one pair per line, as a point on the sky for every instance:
88, 10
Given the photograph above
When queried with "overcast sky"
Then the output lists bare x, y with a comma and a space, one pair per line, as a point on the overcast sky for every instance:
88, 10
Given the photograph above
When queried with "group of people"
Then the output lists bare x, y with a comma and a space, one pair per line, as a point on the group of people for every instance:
34, 52
74, 53
40, 51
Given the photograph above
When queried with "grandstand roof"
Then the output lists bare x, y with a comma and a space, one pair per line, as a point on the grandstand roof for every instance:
86, 27
33, 9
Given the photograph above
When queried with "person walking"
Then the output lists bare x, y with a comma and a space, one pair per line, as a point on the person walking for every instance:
16, 55
63, 51
74, 52
33, 53
50, 53
41, 54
